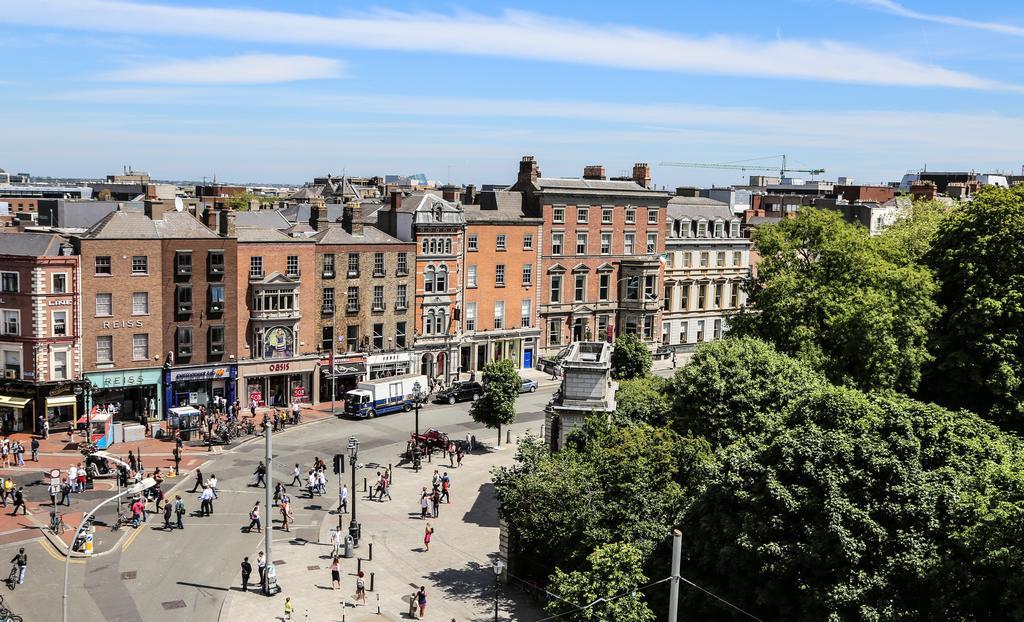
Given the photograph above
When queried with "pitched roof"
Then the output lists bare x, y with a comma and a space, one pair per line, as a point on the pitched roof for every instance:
30, 244
181, 225
499, 206
122, 225
371, 235
263, 218
699, 207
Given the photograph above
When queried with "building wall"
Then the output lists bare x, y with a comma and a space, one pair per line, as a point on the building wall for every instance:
365, 318
201, 317
486, 261
122, 324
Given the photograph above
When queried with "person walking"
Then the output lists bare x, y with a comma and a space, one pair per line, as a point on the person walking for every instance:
73, 477
286, 513
343, 499
213, 485
435, 502
35, 449
385, 484
336, 540
206, 502
261, 567
179, 510
137, 508
21, 559
288, 608
424, 497
176, 452
167, 516
458, 457
296, 476
446, 484
246, 572
254, 520
421, 600
19, 501
335, 573
199, 480
376, 488
65, 493
451, 454
427, 534
311, 482
260, 473
360, 587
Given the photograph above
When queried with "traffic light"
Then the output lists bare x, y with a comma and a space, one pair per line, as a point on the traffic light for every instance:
339, 463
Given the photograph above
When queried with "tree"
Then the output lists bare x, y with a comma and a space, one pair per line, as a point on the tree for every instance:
103, 195
615, 569
909, 239
642, 400
737, 388
825, 293
497, 406
978, 258
630, 358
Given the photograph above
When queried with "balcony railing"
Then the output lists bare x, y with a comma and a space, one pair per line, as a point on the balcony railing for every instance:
275, 314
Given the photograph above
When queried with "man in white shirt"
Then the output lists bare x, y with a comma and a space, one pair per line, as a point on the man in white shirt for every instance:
206, 501
343, 499
73, 477
336, 540
213, 485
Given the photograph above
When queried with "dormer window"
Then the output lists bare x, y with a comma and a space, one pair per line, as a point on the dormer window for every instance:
438, 213
702, 228
734, 229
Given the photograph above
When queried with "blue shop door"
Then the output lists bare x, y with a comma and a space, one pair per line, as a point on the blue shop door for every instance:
528, 358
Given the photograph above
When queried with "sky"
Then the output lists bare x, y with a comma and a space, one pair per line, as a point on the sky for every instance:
280, 92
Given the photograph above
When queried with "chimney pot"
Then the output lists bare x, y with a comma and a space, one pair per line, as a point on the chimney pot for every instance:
594, 171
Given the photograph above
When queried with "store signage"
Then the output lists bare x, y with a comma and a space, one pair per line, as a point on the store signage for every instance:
255, 395
377, 359
121, 324
117, 379
59, 303
299, 392
202, 373
279, 366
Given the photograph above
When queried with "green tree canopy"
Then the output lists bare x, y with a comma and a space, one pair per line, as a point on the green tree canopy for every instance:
497, 406
826, 294
614, 569
642, 400
631, 358
737, 388
978, 258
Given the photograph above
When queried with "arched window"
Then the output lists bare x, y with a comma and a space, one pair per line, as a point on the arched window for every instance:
448, 246
433, 246
441, 284
428, 322
428, 279
442, 321
425, 241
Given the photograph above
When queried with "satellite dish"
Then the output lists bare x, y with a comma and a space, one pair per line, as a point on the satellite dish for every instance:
178, 204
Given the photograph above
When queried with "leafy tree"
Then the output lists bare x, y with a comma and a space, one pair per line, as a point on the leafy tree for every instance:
642, 400
497, 406
909, 239
614, 569
978, 257
630, 358
737, 388
826, 294
104, 195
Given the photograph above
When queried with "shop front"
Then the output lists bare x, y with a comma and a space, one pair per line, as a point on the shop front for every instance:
13, 413
389, 364
132, 394
278, 383
198, 386
61, 409
342, 377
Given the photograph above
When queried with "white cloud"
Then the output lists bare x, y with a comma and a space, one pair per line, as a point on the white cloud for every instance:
888, 6
244, 69
513, 34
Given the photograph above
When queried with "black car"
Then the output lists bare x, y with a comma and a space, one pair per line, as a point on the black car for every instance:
461, 392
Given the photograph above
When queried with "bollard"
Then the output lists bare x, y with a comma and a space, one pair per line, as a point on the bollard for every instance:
378, 595
430, 455
390, 476
370, 559
364, 484
359, 565
508, 437
371, 589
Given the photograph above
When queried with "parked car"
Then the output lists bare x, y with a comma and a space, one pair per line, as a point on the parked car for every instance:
527, 385
461, 392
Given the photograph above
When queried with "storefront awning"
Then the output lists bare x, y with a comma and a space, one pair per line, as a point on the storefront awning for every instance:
344, 370
15, 402
61, 400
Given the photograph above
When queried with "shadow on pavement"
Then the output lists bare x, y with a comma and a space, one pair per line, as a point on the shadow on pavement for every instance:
484, 511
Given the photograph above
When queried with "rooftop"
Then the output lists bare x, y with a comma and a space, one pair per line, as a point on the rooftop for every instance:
30, 244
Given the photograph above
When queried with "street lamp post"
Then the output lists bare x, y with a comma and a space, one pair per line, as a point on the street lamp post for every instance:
145, 484
499, 566
353, 452
417, 398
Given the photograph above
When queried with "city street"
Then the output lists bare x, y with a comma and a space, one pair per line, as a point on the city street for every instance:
188, 575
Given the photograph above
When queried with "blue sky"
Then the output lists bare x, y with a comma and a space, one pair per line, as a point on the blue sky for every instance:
282, 91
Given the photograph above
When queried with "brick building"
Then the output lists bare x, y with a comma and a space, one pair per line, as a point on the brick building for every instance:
600, 260
501, 282
40, 331
276, 310
364, 300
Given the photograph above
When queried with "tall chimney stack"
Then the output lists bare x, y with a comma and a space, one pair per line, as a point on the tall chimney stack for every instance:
593, 171
529, 171
642, 174
350, 217
227, 223
318, 218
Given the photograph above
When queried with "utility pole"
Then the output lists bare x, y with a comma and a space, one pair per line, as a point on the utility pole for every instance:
268, 500
677, 555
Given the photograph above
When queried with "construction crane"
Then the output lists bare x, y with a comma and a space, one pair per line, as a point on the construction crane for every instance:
740, 166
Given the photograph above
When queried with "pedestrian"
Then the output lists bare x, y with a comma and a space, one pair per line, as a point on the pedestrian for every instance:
53, 489
421, 600
176, 452
35, 449
212, 482
446, 483
286, 513
21, 560
65, 492
427, 534
278, 490
343, 499
252, 407
360, 588
296, 476
179, 510
423, 503
376, 487
46, 429
5, 453
435, 502
385, 486
246, 572
19, 501
73, 477
336, 540
82, 477
321, 480
167, 516
288, 608
469, 441
451, 454
158, 494
260, 473
131, 461
261, 567
458, 457
19, 453
435, 480
295, 412
206, 501
311, 482
335, 573
199, 480
137, 508
254, 519
673, 360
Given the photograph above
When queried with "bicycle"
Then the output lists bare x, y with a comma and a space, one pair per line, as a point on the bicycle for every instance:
57, 526
124, 518
12, 579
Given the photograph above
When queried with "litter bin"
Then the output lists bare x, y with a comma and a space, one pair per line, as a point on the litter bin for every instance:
348, 547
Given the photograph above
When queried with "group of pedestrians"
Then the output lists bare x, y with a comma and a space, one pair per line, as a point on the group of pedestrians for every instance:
14, 450
382, 486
